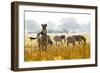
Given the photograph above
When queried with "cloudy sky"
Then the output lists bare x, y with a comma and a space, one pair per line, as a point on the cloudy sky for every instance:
55, 20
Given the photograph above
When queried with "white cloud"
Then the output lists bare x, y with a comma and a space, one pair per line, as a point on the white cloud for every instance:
43, 17
57, 21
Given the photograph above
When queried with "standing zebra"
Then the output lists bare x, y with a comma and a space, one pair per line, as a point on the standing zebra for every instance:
42, 38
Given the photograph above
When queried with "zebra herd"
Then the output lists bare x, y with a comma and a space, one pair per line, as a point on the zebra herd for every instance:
70, 39
43, 39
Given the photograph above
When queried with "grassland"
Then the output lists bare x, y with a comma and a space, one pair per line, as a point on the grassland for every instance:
59, 52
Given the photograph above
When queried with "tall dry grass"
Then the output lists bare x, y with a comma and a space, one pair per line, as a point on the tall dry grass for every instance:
59, 52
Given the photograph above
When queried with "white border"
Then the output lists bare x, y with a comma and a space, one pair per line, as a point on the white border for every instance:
23, 64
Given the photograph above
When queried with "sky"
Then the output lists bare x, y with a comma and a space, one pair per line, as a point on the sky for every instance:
44, 17
57, 20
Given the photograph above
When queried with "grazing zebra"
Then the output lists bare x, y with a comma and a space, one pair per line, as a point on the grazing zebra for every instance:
83, 39
49, 40
76, 38
70, 40
59, 38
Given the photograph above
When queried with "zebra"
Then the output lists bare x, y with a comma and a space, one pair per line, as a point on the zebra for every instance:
59, 38
42, 38
76, 38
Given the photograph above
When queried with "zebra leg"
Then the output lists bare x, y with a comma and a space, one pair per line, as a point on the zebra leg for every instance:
56, 43
74, 43
39, 46
85, 42
45, 49
79, 42
67, 43
64, 40
61, 43
42, 48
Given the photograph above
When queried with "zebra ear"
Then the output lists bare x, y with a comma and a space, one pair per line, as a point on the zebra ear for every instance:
41, 32
41, 24
45, 24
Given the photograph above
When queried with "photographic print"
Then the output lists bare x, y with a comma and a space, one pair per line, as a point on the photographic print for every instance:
56, 35
51, 36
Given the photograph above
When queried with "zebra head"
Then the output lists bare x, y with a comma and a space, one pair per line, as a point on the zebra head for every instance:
44, 29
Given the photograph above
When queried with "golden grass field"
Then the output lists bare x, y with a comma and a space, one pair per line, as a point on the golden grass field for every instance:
59, 52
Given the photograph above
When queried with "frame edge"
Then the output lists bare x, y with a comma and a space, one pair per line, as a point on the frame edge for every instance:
14, 36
